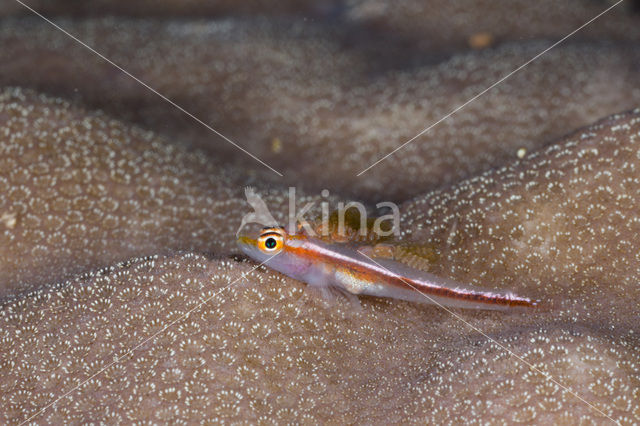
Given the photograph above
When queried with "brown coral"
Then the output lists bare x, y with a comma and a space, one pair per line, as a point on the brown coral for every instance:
268, 87
562, 223
315, 99
79, 191
264, 350
437, 25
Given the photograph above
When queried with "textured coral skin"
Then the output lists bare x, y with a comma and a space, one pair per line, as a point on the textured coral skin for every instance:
80, 190
545, 224
560, 225
258, 81
266, 349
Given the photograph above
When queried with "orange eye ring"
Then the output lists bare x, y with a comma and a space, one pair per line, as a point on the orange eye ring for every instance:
270, 242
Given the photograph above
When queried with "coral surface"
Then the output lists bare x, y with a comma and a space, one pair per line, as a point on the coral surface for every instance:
80, 190
268, 87
123, 297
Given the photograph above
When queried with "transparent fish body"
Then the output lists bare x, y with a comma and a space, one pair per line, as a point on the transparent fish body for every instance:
348, 268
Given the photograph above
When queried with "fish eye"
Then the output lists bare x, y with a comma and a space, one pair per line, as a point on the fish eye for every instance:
270, 242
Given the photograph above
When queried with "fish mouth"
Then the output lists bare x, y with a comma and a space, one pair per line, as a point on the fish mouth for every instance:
244, 240
248, 245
